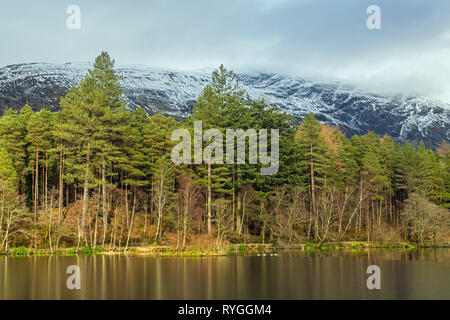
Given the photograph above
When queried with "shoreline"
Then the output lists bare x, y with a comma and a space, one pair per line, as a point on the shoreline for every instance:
231, 249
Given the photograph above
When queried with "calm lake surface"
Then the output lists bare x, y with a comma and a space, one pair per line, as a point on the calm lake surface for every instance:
416, 274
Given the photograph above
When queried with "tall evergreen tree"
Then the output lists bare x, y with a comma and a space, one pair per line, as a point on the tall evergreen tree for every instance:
86, 110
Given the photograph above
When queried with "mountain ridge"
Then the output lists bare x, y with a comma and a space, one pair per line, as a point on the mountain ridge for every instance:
172, 92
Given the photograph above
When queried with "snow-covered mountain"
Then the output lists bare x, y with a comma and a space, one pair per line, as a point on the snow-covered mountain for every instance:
174, 93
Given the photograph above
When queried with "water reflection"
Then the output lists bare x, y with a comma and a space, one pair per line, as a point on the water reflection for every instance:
406, 274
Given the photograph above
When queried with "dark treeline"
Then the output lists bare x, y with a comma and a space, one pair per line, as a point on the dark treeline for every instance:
98, 174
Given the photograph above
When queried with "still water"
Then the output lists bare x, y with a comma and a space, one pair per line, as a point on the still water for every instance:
417, 274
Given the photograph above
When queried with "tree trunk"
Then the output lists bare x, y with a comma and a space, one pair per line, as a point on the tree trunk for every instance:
60, 194
104, 212
36, 193
85, 194
185, 220
209, 199
131, 220
313, 195
50, 225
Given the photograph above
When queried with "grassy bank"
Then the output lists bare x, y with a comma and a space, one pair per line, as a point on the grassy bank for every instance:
230, 249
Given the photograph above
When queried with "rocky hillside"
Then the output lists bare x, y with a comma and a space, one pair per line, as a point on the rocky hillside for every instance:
174, 93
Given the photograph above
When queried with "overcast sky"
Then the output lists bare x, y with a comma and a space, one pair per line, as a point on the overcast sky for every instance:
314, 38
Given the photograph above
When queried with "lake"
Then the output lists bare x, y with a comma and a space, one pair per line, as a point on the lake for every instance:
405, 274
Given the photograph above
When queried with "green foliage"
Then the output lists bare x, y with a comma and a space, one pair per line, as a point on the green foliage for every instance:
243, 248
310, 246
89, 250
8, 175
96, 172
71, 251
19, 251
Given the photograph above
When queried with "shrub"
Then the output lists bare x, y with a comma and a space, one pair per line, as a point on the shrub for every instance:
242, 247
71, 251
20, 251
88, 250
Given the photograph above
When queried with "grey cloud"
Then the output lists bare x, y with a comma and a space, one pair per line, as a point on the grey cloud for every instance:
313, 38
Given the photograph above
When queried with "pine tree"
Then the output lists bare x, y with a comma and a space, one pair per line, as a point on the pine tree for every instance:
430, 175
8, 197
444, 155
313, 161
87, 112
218, 106
39, 136
13, 129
